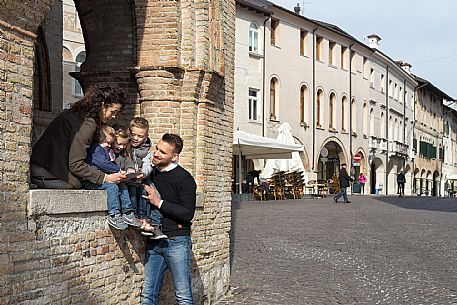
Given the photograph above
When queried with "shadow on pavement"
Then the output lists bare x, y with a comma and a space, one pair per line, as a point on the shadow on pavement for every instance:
440, 204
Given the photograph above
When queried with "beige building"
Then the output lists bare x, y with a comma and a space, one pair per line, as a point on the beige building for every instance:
433, 140
341, 97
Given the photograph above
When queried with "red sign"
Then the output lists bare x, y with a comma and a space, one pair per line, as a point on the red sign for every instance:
357, 158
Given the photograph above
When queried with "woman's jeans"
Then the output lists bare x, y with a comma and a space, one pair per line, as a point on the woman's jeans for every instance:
115, 192
175, 254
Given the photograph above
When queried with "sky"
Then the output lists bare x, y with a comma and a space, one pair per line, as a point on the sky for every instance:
422, 33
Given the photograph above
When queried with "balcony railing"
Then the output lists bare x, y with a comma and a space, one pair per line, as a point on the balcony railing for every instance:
398, 148
377, 143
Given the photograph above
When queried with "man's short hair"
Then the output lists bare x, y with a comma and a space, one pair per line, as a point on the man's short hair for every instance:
139, 122
175, 140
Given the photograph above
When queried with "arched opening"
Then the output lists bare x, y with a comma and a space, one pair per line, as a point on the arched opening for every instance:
344, 122
330, 159
303, 103
274, 84
331, 111
436, 184
377, 176
319, 110
354, 116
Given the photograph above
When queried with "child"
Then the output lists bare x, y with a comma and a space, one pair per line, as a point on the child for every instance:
102, 156
141, 150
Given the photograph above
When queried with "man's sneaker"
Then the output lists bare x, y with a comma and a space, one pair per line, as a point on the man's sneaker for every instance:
117, 222
130, 219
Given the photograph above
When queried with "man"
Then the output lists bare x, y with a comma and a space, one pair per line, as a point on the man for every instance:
401, 179
174, 194
345, 181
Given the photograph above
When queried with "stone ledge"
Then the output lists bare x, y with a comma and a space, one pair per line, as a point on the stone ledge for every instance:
55, 202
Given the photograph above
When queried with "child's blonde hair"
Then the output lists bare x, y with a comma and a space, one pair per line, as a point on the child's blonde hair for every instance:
139, 122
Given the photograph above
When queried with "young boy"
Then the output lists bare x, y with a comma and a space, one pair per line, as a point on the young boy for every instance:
141, 150
102, 156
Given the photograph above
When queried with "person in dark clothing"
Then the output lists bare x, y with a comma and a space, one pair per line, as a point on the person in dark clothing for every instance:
401, 180
173, 192
345, 181
58, 159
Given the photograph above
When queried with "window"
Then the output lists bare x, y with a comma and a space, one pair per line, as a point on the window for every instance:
343, 114
319, 50
343, 63
365, 69
396, 91
354, 116
383, 83
371, 78
253, 104
400, 95
253, 38
273, 98
303, 103
318, 108
331, 112
371, 122
390, 88
79, 60
303, 35
274, 31
365, 119
331, 53
42, 85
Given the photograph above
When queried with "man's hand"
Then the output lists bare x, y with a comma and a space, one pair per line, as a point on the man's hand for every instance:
153, 195
115, 178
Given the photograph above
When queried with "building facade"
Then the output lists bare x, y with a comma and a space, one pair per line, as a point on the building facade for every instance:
342, 97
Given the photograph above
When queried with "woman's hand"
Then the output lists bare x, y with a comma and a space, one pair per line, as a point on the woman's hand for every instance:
115, 178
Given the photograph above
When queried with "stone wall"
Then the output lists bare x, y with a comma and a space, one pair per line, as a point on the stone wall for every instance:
55, 246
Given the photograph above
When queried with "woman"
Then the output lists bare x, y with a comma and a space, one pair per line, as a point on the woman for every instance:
58, 158
362, 181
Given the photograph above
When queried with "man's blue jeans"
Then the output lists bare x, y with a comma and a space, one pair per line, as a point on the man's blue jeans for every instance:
342, 193
115, 192
175, 254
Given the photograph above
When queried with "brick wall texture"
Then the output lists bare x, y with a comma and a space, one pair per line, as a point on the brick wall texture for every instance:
176, 61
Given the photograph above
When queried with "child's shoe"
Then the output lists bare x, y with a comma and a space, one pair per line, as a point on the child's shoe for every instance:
153, 231
158, 234
117, 222
130, 219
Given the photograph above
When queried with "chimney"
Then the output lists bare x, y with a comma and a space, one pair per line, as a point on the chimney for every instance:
406, 66
373, 41
297, 9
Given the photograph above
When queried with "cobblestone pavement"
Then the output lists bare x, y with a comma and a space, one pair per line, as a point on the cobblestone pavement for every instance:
375, 250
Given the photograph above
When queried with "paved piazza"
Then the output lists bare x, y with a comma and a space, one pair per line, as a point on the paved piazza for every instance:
375, 250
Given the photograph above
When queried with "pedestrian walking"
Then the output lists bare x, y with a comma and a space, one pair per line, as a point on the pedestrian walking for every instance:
401, 180
345, 181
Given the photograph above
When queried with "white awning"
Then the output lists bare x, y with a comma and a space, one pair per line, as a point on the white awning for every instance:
257, 147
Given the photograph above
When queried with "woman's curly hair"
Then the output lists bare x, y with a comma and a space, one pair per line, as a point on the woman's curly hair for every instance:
97, 96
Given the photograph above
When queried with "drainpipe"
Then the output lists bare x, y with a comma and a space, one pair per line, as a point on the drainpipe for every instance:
387, 131
264, 76
404, 121
314, 98
350, 106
